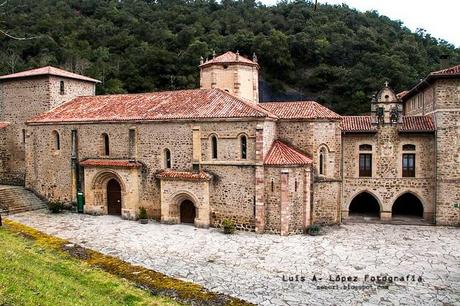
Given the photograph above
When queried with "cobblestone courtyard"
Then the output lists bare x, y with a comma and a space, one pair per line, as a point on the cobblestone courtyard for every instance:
258, 267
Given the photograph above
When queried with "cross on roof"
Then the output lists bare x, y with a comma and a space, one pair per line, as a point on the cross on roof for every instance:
386, 83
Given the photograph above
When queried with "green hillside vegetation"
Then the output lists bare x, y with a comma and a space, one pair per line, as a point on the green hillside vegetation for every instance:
335, 55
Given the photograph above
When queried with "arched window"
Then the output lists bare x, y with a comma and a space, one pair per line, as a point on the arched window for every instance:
105, 144
295, 185
167, 159
57, 141
61, 87
273, 186
322, 161
214, 147
244, 147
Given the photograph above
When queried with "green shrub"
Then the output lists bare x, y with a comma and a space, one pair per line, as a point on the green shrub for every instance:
313, 230
143, 213
55, 207
228, 226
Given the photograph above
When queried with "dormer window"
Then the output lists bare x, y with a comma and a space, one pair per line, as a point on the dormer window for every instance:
61, 87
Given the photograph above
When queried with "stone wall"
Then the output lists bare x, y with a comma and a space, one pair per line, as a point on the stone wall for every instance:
292, 213
240, 80
447, 120
387, 183
326, 201
310, 137
21, 99
49, 170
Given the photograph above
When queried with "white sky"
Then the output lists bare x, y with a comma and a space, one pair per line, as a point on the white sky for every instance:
440, 18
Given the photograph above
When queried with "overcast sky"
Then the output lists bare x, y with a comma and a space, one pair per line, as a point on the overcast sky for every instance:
439, 17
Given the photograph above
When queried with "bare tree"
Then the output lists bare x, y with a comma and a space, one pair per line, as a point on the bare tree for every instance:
12, 36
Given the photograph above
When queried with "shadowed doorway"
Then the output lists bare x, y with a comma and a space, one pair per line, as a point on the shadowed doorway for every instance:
364, 205
407, 205
187, 212
113, 198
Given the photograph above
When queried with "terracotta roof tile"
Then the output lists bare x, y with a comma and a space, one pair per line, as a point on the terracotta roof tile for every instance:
455, 70
184, 175
110, 163
4, 125
451, 72
283, 154
180, 104
417, 124
300, 110
229, 58
358, 124
48, 70
402, 94
363, 124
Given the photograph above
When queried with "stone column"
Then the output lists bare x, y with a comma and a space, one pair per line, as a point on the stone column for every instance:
260, 180
307, 198
284, 198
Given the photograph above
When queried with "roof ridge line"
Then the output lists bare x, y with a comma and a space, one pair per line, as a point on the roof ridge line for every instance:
248, 103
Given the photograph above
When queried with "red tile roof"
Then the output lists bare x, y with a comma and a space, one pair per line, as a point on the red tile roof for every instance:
362, 124
455, 70
48, 70
184, 175
180, 104
4, 125
417, 124
229, 58
110, 163
358, 124
300, 110
451, 72
402, 94
281, 154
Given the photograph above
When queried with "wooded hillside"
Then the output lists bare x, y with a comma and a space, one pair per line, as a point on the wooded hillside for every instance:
335, 55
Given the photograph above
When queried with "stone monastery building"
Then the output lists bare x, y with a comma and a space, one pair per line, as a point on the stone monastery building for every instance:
201, 156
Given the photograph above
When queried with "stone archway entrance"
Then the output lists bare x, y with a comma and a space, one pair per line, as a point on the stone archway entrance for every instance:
187, 212
407, 205
364, 206
113, 197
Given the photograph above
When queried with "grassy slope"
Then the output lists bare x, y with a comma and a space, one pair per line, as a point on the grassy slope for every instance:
33, 275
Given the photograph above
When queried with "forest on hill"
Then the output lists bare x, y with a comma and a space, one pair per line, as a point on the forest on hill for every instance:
335, 55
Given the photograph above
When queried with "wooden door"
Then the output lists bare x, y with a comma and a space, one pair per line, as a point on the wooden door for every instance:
114, 197
187, 212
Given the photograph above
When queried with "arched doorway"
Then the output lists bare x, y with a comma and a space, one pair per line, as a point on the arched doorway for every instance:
187, 212
113, 197
364, 205
407, 205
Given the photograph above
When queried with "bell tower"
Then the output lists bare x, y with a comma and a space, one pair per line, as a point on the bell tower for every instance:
386, 107
232, 73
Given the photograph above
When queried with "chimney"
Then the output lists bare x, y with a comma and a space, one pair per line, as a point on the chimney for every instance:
444, 61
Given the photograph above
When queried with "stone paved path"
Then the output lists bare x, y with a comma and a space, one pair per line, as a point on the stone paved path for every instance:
252, 266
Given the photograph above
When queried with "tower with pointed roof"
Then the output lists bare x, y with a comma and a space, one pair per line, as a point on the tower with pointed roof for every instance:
232, 73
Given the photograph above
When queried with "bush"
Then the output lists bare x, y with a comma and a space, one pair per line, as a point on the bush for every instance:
228, 226
55, 207
313, 230
143, 213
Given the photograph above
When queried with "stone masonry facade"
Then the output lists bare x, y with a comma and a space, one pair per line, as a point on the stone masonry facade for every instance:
268, 167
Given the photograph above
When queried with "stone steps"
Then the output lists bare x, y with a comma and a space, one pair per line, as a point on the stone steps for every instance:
16, 199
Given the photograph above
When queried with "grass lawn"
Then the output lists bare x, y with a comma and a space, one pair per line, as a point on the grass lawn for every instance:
31, 274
